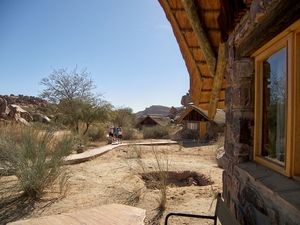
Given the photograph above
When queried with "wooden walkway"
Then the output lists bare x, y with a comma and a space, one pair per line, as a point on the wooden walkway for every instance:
88, 155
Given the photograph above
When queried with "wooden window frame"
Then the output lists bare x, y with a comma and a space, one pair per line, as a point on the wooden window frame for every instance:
192, 125
290, 39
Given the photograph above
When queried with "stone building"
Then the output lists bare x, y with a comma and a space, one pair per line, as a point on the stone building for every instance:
244, 56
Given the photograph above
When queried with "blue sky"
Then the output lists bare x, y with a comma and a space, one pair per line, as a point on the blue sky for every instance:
127, 46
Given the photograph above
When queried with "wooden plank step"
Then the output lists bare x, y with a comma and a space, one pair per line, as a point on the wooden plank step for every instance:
111, 214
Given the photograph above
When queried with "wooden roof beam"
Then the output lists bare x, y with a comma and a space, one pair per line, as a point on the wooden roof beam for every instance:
217, 83
201, 10
184, 31
201, 63
191, 31
209, 11
202, 38
194, 48
177, 10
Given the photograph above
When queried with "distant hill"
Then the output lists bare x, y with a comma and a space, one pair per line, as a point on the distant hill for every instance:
155, 109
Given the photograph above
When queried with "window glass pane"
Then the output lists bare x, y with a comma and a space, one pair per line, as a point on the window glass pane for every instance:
192, 126
274, 107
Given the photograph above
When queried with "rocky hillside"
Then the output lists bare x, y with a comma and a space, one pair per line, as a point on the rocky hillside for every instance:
164, 110
155, 109
22, 108
28, 101
160, 110
29, 108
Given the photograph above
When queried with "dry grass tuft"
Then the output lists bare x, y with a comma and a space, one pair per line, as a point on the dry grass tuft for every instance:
35, 157
157, 177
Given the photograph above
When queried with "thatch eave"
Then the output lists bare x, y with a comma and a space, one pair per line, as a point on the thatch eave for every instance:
219, 119
197, 29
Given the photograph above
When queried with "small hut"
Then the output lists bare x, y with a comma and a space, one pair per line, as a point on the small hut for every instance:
195, 123
152, 120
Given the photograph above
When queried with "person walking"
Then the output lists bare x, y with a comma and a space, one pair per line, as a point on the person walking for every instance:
110, 135
120, 135
111, 132
116, 132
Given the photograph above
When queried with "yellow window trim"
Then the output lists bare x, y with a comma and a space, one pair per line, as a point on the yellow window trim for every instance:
290, 39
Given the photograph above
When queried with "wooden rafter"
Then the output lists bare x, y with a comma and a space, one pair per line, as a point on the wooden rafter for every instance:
199, 48
200, 91
202, 11
176, 26
200, 33
217, 83
202, 63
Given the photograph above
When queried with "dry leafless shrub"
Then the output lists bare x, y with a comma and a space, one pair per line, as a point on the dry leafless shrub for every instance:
155, 174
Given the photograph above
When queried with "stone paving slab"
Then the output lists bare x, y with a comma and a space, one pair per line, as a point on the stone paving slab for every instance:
111, 214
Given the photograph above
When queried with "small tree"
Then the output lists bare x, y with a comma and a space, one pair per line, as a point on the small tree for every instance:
124, 117
98, 112
62, 84
71, 91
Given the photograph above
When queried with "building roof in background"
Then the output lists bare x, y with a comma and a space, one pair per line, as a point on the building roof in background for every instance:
219, 119
159, 119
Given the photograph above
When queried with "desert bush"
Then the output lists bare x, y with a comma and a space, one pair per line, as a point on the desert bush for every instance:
155, 132
51, 126
218, 140
129, 133
97, 133
193, 134
35, 157
162, 167
135, 152
80, 139
132, 197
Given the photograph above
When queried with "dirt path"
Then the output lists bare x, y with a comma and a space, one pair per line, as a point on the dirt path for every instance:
115, 177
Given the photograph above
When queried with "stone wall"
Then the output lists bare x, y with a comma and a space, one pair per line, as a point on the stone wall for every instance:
248, 198
258, 195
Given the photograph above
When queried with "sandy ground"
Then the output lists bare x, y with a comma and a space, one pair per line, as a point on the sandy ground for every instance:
116, 177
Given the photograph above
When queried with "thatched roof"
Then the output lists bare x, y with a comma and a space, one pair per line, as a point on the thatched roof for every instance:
196, 26
219, 119
158, 119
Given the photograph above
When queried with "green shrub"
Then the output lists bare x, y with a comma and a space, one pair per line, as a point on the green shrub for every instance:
35, 157
97, 133
128, 133
155, 132
80, 139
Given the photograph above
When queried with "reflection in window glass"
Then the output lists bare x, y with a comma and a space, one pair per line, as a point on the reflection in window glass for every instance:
274, 107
